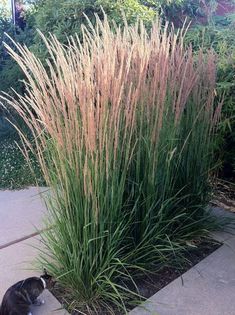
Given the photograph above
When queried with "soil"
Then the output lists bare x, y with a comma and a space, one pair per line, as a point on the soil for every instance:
149, 284
152, 283
224, 195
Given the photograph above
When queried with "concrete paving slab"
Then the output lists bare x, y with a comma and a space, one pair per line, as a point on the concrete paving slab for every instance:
208, 288
219, 212
21, 212
51, 306
222, 237
16, 264
229, 231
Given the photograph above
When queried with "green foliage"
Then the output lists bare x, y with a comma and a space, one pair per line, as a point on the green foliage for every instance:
221, 39
189, 7
5, 64
132, 9
15, 171
10, 73
177, 11
69, 16
65, 20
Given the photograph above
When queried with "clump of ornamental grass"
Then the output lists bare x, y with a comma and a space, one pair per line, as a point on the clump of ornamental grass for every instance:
122, 122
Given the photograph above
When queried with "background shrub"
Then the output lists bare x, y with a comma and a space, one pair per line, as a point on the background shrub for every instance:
220, 38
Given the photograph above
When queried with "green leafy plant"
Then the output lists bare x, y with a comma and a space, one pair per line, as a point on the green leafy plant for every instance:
221, 39
177, 11
10, 73
16, 173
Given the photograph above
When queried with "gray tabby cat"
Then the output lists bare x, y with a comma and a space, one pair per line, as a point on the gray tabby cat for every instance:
19, 298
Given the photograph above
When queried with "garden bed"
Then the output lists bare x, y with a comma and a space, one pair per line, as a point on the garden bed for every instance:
150, 283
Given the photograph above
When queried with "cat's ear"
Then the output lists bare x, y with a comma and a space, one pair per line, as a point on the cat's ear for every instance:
45, 275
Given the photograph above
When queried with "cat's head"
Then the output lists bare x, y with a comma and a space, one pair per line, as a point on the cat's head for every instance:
48, 279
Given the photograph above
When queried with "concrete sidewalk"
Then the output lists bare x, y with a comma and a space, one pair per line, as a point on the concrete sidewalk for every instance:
21, 212
207, 289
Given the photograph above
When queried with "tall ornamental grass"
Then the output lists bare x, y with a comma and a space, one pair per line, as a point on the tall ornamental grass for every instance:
122, 122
